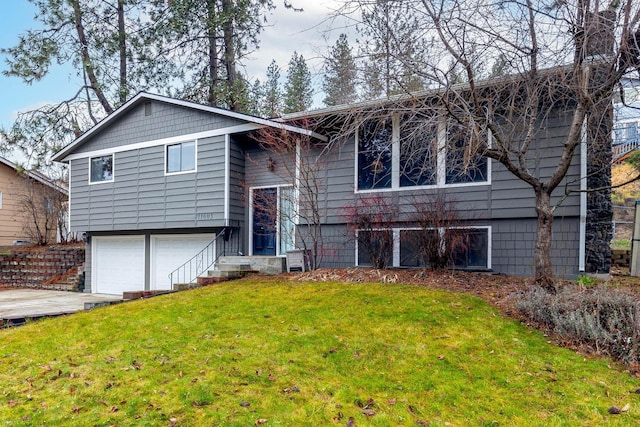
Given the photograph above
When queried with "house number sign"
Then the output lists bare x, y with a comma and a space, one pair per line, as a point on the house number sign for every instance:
204, 216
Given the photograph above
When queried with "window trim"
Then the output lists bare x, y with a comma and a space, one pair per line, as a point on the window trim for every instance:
113, 169
395, 162
181, 172
396, 242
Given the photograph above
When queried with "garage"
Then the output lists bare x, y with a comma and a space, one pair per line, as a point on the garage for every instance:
117, 264
170, 251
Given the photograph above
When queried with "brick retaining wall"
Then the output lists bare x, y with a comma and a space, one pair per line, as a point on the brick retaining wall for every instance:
621, 257
55, 267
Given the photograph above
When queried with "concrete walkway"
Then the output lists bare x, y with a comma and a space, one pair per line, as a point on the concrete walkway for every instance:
18, 304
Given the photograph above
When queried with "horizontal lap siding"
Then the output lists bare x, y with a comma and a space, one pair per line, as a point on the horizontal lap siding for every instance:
236, 182
339, 181
142, 197
513, 198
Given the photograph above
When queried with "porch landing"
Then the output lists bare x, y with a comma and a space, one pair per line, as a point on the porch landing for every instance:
261, 264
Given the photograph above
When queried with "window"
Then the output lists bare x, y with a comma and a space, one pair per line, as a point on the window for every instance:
181, 157
48, 205
101, 169
375, 248
409, 248
0, 200
463, 163
475, 251
408, 251
374, 154
418, 152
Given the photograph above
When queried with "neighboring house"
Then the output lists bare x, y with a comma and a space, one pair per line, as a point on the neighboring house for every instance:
155, 181
626, 128
27, 199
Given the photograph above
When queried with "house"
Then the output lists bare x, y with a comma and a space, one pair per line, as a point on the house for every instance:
155, 182
626, 129
27, 199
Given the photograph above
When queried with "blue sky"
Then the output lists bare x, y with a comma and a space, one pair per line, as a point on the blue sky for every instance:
16, 18
304, 32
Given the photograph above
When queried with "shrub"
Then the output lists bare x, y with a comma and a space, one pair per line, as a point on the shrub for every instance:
601, 318
440, 236
369, 218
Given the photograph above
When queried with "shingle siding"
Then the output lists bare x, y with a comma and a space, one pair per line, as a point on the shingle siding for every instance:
165, 121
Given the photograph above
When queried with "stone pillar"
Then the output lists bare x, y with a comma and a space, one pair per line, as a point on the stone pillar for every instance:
599, 230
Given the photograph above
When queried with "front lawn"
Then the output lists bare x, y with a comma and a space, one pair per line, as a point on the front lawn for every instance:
280, 353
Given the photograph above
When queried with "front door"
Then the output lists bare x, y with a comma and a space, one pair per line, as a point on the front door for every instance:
273, 220
265, 208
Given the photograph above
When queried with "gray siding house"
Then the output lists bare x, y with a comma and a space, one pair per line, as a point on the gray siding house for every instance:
156, 181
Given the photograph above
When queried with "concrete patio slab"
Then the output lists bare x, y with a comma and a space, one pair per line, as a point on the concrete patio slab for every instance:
17, 304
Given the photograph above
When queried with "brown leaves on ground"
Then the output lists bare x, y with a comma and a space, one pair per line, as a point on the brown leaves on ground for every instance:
490, 287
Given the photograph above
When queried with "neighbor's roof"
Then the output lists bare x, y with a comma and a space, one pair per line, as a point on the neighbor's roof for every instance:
43, 179
144, 96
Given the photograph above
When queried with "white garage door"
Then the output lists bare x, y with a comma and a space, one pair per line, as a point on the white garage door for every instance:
117, 264
169, 252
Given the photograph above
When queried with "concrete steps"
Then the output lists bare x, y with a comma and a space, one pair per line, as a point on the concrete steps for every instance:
236, 267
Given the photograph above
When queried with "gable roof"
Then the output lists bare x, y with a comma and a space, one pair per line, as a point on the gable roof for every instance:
145, 96
43, 179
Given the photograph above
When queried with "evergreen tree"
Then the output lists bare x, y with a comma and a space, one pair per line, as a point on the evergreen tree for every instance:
339, 83
393, 45
271, 105
298, 93
101, 39
207, 41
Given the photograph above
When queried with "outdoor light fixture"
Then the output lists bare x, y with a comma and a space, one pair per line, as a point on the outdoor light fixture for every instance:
271, 164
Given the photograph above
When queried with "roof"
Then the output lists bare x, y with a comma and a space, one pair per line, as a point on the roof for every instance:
145, 96
43, 179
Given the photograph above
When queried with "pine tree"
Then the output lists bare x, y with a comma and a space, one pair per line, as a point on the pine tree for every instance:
298, 93
393, 45
339, 83
271, 105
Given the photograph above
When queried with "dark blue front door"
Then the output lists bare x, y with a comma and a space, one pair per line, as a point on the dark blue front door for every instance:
265, 204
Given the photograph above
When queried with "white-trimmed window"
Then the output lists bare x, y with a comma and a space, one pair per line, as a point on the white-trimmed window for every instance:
473, 254
420, 150
180, 157
101, 169
0, 200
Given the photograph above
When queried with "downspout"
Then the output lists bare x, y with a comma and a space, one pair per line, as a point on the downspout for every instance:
583, 197
227, 178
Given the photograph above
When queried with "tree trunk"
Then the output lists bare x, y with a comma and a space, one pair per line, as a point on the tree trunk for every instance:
230, 54
212, 97
122, 45
87, 64
544, 275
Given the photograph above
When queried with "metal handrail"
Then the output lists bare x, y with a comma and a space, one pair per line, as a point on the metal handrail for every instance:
203, 260
623, 148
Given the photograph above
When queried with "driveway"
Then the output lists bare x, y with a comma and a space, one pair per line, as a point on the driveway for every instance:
19, 304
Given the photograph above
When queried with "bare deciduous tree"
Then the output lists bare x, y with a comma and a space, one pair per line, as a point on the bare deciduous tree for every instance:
43, 209
368, 219
555, 59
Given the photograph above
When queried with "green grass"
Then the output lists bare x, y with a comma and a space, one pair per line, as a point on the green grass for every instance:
298, 354
624, 244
